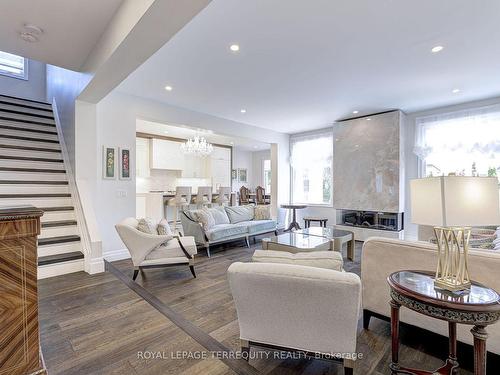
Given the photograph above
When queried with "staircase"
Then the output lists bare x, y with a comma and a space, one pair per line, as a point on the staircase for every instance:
32, 171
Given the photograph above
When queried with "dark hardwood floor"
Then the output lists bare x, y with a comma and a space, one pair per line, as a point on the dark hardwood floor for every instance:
98, 325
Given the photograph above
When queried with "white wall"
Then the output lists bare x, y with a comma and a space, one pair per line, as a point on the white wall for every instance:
64, 86
116, 125
33, 88
258, 158
243, 159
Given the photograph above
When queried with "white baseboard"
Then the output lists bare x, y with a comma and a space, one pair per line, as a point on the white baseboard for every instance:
96, 265
114, 255
57, 269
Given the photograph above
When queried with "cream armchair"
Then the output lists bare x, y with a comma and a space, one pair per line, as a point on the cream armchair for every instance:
152, 251
297, 308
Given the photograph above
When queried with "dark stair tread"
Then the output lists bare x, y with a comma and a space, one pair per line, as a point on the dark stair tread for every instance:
58, 240
55, 195
59, 258
26, 100
40, 170
48, 160
60, 208
21, 138
17, 128
25, 105
27, 121
29, 148
7, 111
59, 223
31, 182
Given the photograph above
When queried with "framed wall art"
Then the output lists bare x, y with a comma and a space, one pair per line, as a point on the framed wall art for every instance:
109, 162
124, 154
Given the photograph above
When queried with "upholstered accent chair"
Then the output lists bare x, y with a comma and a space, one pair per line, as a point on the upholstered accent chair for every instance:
153, 250
297, 308
244, 195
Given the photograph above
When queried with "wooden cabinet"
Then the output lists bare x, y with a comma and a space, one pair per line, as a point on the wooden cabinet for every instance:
19, 335
165, 154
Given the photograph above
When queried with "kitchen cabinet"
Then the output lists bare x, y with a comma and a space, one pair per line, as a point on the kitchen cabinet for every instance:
196, 167
220, 167
142, 157
165, 154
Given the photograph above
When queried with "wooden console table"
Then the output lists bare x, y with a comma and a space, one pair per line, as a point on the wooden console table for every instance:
479, 307
19, 337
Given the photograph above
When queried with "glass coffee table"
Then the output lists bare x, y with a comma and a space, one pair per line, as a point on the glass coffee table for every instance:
294, 242
338, 236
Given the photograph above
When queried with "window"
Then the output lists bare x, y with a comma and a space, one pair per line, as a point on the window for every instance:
267, 176
311, 161
13, 65
464, 143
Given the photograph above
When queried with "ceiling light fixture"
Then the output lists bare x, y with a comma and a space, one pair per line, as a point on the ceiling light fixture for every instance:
31, 33
234, 47
197, 146
368, 119
455, 91
243, 111
437, 49
355, 112
168, 88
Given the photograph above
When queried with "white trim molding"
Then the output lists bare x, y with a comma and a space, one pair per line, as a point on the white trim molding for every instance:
85, 216
115, 255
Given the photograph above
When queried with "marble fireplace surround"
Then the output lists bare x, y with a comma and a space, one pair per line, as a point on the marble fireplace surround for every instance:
368, 163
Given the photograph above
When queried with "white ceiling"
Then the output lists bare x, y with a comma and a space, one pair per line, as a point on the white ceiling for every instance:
305, 64
185, 132
71, 28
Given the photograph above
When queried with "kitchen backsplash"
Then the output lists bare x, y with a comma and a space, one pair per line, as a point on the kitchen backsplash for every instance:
166, 180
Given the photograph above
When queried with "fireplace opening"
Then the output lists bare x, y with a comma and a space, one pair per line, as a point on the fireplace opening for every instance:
371, 219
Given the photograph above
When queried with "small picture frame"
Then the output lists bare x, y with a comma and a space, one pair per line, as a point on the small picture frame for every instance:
234, 174
109, 163
125, 173
242, 175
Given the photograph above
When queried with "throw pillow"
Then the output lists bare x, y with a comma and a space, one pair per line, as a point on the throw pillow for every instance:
163, 228
262, 212
205, 218
237, 214
147, 225
219, 215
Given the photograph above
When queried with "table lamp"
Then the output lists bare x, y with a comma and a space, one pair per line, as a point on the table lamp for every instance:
452, 205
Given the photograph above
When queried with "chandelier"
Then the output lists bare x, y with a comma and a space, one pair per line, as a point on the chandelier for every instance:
197, 146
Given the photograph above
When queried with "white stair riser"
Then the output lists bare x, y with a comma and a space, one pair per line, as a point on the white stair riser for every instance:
33, 189
31, 164
37, 202
62, 248
15, 116
27, 126
30, 154
57, 216
20, 142
57, 269
25, 102
28, 111
59, 231
32, 176
27, 133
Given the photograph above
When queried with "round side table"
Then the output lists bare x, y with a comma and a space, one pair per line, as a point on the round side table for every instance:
478, 307
294, 208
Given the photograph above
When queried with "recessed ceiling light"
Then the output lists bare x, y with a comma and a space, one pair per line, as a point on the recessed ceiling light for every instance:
29, 37
255, 146
455, 91
231, 143
368, 119
234, 47
355, 112
437, 49
168, 88
165, 131
243, 111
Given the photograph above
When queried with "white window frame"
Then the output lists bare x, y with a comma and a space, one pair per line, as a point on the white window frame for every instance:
304, 136
24, 76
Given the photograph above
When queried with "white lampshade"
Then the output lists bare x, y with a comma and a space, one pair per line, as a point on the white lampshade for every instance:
459, 201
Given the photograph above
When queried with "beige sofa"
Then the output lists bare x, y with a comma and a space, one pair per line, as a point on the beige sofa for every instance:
381, 257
